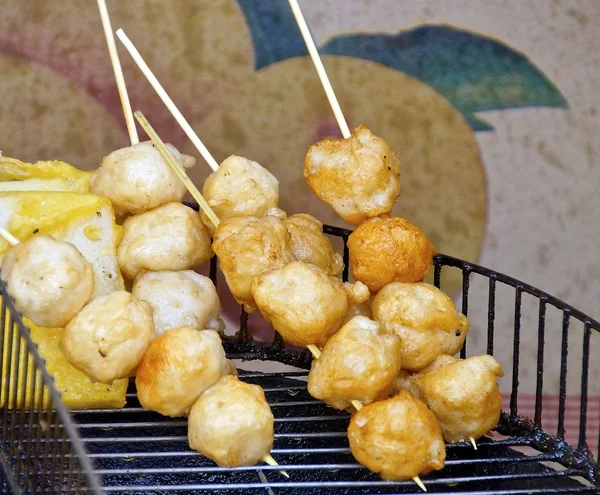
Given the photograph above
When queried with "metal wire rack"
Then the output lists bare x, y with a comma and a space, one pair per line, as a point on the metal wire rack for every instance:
46, 448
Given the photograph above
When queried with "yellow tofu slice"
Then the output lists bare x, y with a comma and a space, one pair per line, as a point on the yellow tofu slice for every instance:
12, 169
85, 220
59, 184
77, 390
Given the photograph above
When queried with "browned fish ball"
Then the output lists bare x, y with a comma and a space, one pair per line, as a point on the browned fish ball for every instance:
462, 393
247, 247
303, 303
359, 177
397, 438
425, 319
359, 362
392, 249
178, 367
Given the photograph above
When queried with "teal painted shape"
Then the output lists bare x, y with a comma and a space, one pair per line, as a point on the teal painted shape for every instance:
474, 72
274, 31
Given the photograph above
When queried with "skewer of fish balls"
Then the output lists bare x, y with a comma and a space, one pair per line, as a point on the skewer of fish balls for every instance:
268, 459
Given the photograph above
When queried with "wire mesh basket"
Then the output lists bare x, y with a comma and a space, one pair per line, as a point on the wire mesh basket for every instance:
45, 448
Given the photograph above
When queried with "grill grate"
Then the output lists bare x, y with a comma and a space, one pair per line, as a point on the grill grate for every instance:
51, 450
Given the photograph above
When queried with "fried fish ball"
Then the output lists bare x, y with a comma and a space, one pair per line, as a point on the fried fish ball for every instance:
138, 178
424, 318
108, 338
49, 280
177, 368
303, 303
232, 423
385, 250
240, 188
247, 247
397, 438
462, 393
359, 177
359, 362
180, 299
310, 245
170, 237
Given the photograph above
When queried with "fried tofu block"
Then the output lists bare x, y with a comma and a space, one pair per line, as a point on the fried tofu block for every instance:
85, 220
42, 176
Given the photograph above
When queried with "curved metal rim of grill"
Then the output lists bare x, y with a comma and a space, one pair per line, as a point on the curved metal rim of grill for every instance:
242, 346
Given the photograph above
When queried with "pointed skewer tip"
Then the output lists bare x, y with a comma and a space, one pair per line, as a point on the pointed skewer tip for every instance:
473, 442
268, 459
419, 483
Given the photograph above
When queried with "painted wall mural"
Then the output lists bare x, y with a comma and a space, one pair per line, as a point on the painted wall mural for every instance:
492, 104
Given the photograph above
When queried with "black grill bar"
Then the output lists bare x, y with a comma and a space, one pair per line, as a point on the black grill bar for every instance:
491, 314
242, 335
516, 353
564, 356
446, 260
585, 372
466, 272
437, 272
539, 386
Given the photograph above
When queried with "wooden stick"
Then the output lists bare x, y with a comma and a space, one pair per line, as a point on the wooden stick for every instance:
268, 459
116, 64
177, 168
314, 54
167, 100
8, 237
419, 483
473, 442
316, 352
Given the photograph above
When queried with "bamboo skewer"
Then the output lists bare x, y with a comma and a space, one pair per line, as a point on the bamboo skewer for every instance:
314, 55
116, 64
8, 237
316, 352
267, 459
473, 442
197, 195
167, 100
